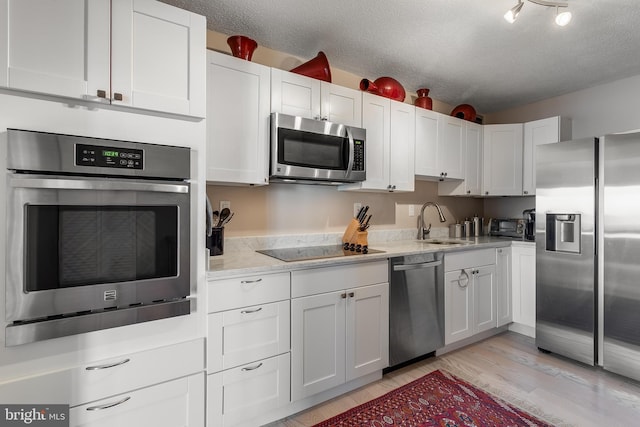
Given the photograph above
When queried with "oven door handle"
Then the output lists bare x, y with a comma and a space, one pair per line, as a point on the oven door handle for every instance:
94, 184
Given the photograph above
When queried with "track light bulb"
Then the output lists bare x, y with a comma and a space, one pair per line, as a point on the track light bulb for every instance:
512, 14
563, 18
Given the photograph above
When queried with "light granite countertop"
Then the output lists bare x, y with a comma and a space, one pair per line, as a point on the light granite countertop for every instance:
244, 260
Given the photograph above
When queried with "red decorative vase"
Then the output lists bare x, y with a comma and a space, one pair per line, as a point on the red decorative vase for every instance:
464, 111
384, 86
242, 46
317, 68
423, 100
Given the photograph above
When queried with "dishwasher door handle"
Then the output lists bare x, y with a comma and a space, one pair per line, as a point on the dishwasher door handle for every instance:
405, 267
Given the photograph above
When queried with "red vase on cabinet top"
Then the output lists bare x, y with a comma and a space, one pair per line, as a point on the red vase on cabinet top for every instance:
423, 100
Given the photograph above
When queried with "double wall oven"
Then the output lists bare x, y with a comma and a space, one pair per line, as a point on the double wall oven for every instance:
97, 234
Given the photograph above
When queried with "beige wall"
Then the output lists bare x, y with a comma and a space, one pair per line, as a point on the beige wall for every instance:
296, 208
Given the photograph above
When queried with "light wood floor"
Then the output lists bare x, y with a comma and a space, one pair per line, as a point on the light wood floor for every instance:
510, 366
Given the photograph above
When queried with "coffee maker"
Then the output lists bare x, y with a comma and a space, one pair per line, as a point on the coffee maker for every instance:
530, 224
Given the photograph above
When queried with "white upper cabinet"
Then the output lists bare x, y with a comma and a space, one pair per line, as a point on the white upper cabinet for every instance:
502, 160
539, 132
341, 104
158, 57
238, 100
440, 146
426, 159
135, 53
402, 149
390, 146
452, 132
303, 96
58, 47
472, 183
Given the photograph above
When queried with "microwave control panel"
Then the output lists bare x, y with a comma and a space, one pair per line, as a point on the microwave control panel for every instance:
109, 157
358, 155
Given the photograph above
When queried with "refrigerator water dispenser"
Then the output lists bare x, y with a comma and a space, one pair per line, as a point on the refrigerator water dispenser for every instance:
563, 233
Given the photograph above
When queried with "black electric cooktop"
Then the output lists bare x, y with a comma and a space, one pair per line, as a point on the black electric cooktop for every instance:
312, 252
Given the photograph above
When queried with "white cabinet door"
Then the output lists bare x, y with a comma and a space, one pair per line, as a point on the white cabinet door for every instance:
484, 296
524, 286
458, 305
473, 160
376, 119
402, 147
367, 333
317, 343
540, 132
451, 147
502, 160
340, 104
158, 57
426, 158
176, 403
238, 102
503, 282
295, 94
472, 184
238, 395
58, 47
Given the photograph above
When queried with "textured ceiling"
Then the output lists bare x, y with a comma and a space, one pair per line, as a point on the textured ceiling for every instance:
463, 50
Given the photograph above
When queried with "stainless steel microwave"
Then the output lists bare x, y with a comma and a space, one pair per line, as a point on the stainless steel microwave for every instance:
315, 151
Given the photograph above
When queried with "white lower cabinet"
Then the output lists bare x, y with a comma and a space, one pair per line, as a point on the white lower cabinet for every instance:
160, 387
470, 294
172, 404
248, 349
238, 395
523, 280
340, 335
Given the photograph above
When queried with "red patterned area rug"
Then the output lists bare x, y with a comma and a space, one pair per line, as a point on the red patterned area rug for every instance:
437, 399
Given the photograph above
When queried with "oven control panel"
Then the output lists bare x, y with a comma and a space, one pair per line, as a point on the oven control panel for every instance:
109, 157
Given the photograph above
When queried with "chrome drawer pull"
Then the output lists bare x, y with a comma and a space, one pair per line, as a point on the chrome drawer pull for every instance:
251, 368
251, 311
108, 405
112, 365
251, 281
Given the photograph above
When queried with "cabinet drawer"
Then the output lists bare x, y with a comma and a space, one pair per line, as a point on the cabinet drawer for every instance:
240, 394
108, 377
476, 258
330, 279
228, 294
245, 335
172, 404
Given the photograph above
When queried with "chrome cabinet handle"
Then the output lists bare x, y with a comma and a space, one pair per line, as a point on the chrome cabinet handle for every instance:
251, 311
351, 294
107, 366
117, 96
108, 405
343, 296
251, 281
252, 368
526, 192
101, 93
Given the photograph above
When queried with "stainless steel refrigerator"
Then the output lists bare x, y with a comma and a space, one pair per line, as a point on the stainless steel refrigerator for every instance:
588, 251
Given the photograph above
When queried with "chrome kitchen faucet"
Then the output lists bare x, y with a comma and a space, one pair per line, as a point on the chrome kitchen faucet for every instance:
423, 232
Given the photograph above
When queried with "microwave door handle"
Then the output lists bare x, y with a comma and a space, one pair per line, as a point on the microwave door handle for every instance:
351, 152
92, 184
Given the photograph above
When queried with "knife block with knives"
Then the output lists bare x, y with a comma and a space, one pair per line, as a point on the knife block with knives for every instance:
355, 237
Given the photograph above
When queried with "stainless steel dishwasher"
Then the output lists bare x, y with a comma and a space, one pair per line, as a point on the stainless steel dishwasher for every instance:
416, 307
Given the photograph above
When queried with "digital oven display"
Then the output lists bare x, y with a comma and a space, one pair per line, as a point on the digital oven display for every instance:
109, 157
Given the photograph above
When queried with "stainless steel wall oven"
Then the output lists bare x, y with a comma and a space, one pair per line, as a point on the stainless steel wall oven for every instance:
97, 234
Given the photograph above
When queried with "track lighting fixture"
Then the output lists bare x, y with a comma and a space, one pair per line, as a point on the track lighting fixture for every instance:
562, 18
